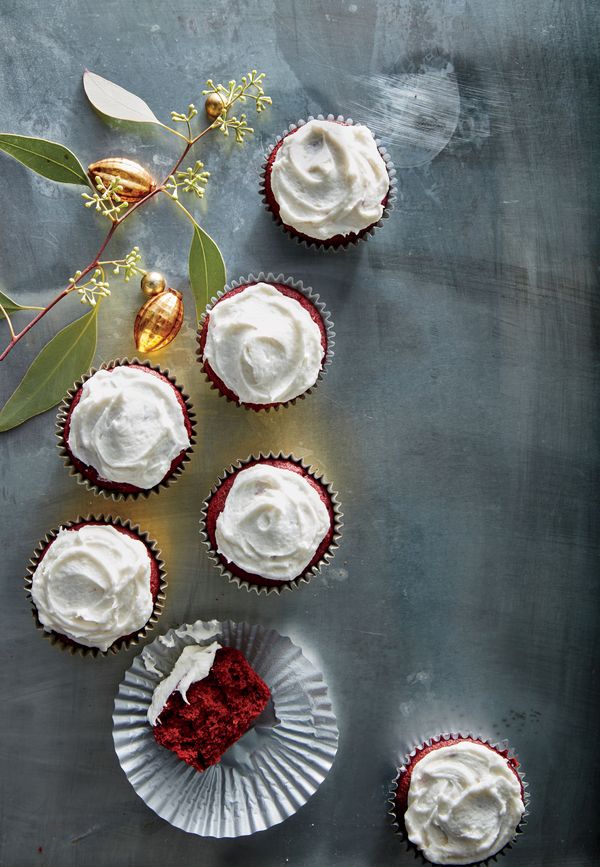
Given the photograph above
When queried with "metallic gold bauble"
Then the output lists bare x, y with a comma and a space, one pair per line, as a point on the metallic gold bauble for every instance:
158, 321
135, 181
152, 283
214, 105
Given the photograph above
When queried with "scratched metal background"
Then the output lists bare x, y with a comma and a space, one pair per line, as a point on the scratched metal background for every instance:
458, 420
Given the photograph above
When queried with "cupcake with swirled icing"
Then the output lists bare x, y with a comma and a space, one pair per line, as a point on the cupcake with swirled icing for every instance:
263, 345
459, 800
127, 429
327, 182
271, 522
95, 584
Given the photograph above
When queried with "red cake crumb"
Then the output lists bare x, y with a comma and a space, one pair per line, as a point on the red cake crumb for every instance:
217, 504
222, 707
336, 240
404, 781
285, 290
90, 473
154, 570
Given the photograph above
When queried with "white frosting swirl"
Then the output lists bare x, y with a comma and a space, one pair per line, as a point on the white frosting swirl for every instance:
464, 804
193, 665
272, 524
128, 426
93, 585
263, 345
329, 179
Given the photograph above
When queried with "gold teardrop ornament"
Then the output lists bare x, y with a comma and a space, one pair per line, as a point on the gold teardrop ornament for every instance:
152, 283
158, 321
214, 105
135, 181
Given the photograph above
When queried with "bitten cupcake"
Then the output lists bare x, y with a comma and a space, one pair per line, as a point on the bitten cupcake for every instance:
459, 800
271, 522
95, 585
126, 429
208, 701
328, 183
265, 343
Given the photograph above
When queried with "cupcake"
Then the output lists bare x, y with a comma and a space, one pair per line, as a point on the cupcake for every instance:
126, 429
264, 344
96, 584
459, 800
208, 701
271, 522
328, 183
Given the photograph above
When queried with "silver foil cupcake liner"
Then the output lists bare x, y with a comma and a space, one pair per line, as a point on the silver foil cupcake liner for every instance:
262, 779
121, 643
501, 747
298, 286
309, 573
315, 242
61, 419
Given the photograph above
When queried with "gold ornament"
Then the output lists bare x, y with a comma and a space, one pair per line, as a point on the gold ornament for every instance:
135, 181
153, 283
214, 105
158, 321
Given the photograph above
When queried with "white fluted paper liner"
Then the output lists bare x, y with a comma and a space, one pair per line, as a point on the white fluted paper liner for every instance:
268, 774
501, 747
364, 234
298, 286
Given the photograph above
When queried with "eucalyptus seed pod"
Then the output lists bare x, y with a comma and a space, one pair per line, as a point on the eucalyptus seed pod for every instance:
135, 181
158, 321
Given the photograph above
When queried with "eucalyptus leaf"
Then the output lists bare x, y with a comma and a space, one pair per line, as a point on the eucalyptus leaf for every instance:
60, 363
114, 101
47, 158
10, 306
207, 269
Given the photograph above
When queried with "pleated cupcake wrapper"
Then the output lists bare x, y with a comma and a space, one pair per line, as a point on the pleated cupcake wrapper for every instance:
61, 420
122, 643
298, 286
315, 242
268, 774
309, 573
501, 746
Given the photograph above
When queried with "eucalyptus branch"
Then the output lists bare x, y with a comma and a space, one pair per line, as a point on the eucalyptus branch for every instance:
109, 198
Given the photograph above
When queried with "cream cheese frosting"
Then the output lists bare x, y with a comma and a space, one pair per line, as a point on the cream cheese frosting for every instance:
329, 179
128, 426
263, 345
272, 524
464, 804
93, 585
194, 664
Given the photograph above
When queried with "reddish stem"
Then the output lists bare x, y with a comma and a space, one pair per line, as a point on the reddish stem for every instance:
93, 264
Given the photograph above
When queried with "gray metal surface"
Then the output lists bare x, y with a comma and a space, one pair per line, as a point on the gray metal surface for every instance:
457, 420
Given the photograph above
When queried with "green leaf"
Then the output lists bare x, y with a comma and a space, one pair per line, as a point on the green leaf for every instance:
10, 306
47, 158
114, 101
207, 269
62, 361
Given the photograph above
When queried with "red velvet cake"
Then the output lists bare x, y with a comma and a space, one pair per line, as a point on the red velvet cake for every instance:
90, 472
285, 290
216, 505
220, 709
334, 241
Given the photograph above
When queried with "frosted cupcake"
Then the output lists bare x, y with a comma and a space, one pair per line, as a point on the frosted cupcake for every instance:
328, 183
271, 522
126, 429
459, 800
263, 344
95, 585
